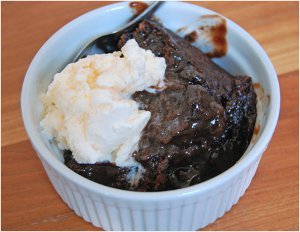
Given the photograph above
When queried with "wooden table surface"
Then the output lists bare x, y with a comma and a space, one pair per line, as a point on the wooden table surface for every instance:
29, 201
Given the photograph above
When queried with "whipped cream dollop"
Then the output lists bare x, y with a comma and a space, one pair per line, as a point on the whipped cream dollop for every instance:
88, 106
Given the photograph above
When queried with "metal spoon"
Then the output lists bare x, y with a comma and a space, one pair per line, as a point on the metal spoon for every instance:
109, 43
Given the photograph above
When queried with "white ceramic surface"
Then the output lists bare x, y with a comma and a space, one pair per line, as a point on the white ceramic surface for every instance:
184, 209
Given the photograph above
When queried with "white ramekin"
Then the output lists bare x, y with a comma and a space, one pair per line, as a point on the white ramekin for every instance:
184, 209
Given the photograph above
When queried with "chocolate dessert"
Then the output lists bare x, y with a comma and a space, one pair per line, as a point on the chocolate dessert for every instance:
200, 125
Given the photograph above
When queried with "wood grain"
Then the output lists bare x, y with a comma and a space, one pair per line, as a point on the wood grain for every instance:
29, 201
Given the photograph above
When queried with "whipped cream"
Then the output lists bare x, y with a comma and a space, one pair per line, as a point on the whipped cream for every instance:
88, 106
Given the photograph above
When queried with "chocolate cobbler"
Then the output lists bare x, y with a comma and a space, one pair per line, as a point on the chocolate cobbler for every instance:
200, 125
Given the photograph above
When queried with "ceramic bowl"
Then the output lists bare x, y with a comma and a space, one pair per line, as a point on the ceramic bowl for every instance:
188, 208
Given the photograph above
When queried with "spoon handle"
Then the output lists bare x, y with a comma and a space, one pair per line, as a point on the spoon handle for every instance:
109, 43
144, 15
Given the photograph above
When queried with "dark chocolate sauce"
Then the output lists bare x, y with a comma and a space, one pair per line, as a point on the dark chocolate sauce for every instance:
138, 7
214, 34
218, 37
257, 86
191, 37
268, 99
256, 130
